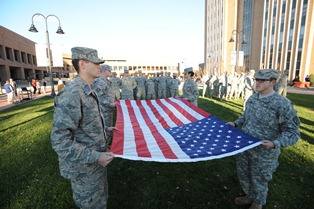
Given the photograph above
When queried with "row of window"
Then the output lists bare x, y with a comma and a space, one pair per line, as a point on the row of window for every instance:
7, 53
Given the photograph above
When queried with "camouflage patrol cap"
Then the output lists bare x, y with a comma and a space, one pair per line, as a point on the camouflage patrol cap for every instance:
168, 73
139, 71
126, 71
286, 71
88, 54
267, 74
187, 70
114, 73
174, 74
105, 68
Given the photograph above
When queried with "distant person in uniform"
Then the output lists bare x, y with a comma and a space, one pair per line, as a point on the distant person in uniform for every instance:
79, 133
271, 118
189, 89
128, 84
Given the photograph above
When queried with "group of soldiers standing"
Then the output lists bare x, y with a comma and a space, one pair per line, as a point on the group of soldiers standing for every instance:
238, 85
140, 87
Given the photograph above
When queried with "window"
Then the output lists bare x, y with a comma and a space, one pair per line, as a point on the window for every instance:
23, 57
8, 52
1, 52
16, 55
34, 60
29, 59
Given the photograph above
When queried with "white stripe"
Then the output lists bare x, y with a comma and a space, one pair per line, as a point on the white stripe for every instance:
163, 114
148, 136
176, 112
131, 157
168, 138
188, 109
129, 146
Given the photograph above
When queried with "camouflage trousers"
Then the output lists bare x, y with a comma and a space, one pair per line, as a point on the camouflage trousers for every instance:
90, 190
174, 93
116, 93
127, 96
150, 95
161, 93
140, 94
282, 91
254, 169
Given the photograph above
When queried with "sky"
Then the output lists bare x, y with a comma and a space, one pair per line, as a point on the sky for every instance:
147, 31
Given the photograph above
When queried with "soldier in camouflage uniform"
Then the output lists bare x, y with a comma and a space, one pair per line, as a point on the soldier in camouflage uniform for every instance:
79, 133
272, 119
282, 84
168, 83
174, 86
104, 91
223, 82
190, 90
248, 87
205, 85
116, 84
211, 85
140, 88
161, 85
127, 86
150, 89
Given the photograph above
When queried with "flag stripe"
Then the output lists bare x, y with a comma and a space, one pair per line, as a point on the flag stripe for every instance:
174, 130
187, 109
138, 138
118, 134
157, 145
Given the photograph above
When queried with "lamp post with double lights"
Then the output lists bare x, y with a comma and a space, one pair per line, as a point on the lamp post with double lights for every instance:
59, 31
237, 42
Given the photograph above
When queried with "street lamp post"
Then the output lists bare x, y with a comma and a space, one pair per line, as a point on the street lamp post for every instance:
237, 42
59, 31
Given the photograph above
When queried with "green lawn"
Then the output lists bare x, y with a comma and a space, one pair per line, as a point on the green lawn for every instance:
29, 173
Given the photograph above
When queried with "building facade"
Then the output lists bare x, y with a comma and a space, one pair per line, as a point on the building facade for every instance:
17, 57
276, 34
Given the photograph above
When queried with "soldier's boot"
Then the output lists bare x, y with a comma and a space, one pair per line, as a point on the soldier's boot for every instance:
255, 205
246, 200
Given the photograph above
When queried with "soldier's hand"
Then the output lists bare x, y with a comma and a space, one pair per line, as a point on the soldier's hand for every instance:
268, 144
231, 123
105, 158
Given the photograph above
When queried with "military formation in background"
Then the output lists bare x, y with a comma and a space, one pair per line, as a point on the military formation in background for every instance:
238, 85
142, 87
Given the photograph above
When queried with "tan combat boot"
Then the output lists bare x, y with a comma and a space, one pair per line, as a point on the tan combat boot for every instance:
246, 200
255, 205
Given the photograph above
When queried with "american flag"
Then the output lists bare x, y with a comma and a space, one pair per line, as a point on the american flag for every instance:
173, 130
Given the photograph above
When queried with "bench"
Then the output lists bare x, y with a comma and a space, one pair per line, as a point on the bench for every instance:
301, 84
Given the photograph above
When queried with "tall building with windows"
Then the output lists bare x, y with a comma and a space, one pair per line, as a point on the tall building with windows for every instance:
222, 21
288, 37
276, 34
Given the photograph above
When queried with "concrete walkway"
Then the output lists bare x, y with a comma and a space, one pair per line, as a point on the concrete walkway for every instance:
4, 104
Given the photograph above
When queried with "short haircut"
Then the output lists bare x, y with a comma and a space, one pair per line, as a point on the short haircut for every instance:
75, 64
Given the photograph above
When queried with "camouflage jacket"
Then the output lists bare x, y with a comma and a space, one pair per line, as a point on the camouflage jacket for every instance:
78, 129
190, 91
271, 118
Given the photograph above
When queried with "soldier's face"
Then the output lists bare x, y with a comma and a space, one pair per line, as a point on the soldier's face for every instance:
91, 69
264, 87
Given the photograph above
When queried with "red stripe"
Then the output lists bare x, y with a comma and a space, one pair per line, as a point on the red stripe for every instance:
118, 135
195, 108
157, 114
141, 145
171, 115
160, 140
182, 111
